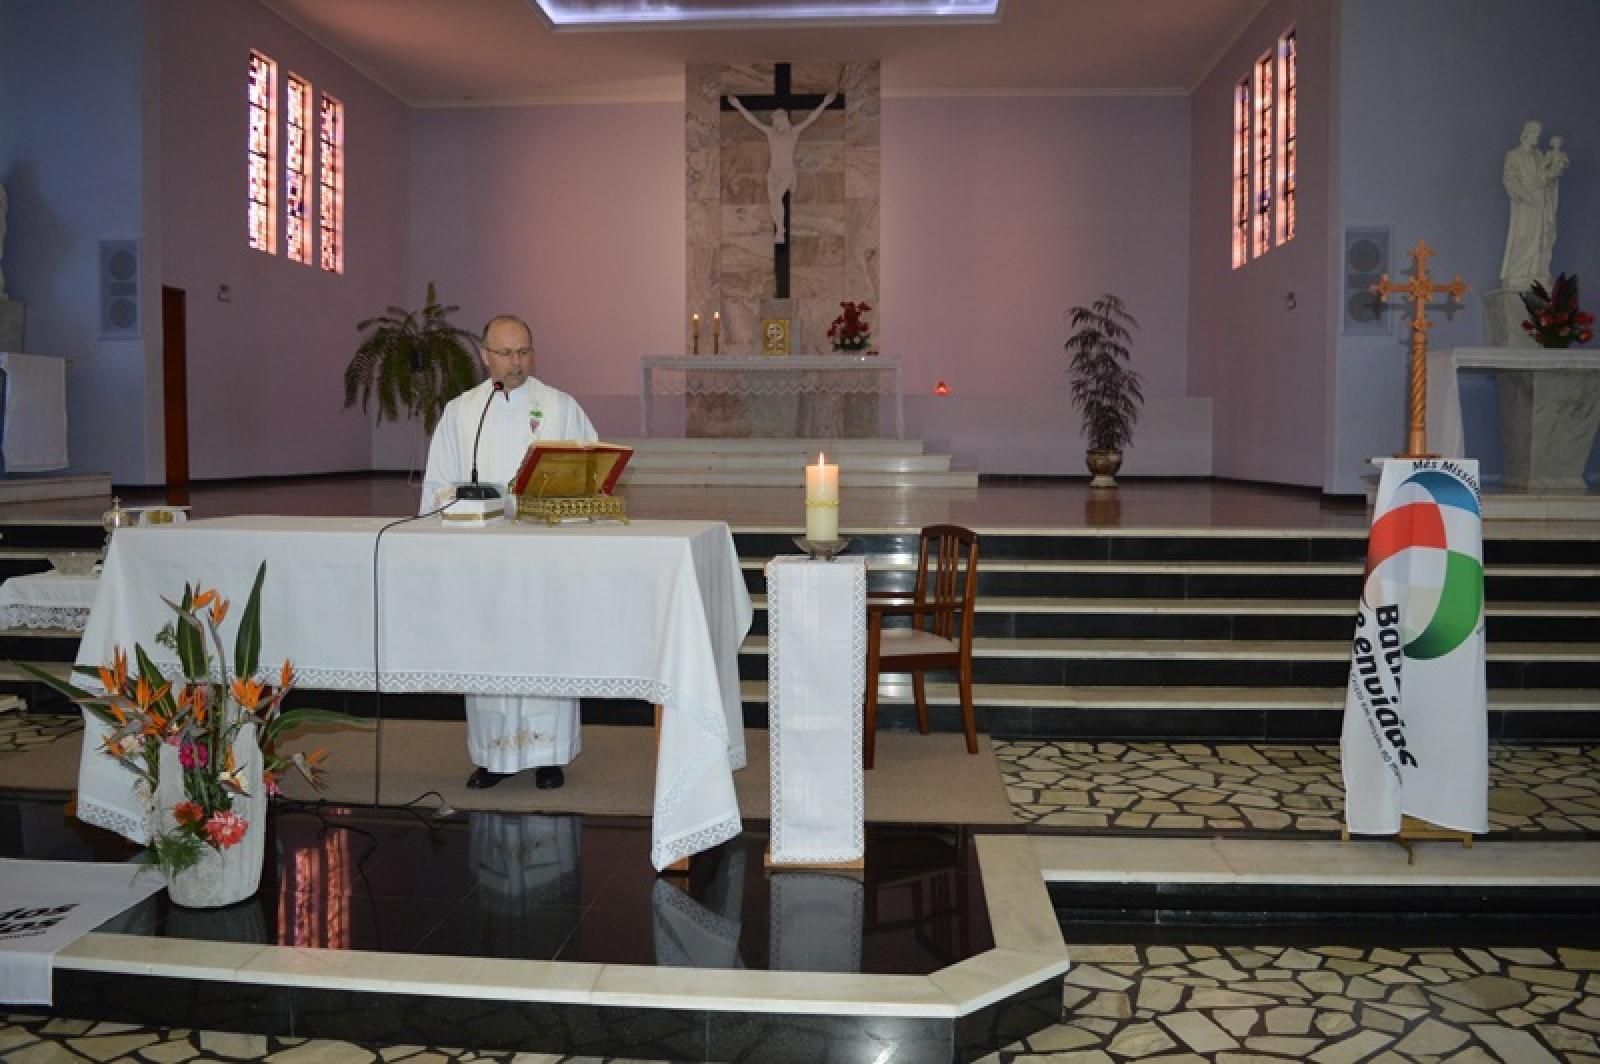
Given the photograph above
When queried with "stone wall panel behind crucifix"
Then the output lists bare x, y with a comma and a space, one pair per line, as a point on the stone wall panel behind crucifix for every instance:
833, 214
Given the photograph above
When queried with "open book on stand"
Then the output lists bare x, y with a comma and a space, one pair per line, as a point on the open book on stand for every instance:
567, 468
565, 479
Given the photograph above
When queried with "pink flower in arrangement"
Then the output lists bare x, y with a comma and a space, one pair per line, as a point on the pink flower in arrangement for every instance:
188, 813
225, 829
193, 755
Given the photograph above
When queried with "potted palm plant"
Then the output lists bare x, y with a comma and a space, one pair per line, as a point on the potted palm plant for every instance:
1105, 389
413, 359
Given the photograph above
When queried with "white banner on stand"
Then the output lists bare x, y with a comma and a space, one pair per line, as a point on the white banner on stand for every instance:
1415, 739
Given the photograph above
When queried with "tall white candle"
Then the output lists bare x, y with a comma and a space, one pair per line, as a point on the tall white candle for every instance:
716, 332
822, 501
694, 331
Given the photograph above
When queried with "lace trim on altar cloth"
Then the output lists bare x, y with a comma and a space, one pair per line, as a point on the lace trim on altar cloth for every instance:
67, 618
799, 382
133, 828
665, 851
394, 683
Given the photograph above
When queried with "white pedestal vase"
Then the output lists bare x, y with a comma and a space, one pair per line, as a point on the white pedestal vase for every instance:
221, 877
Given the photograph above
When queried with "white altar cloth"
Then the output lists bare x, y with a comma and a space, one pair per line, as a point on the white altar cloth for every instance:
816, 669
47, 600
654, 610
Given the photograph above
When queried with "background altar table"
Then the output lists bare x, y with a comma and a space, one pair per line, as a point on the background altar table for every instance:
33, 412
1549, 408
769, 376
654, 610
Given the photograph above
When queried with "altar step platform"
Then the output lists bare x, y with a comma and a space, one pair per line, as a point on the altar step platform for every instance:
1158, 633
44, 488
773, 462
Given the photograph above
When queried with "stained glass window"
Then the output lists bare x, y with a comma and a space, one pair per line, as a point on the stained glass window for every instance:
1241, 173
297, 169
1265, 190
1288, 121
261, 154
331, 135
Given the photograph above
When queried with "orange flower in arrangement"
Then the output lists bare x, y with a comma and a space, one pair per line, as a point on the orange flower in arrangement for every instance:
247, 693
202, 717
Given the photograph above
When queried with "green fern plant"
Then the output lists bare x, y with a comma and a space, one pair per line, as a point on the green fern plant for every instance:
1104, 388
415, 360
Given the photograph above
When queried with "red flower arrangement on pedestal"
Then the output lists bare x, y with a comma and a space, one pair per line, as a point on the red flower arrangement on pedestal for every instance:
1554, 317
850, 331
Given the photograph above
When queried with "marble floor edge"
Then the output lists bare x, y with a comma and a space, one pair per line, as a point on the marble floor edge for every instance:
1363, 862
1018, 905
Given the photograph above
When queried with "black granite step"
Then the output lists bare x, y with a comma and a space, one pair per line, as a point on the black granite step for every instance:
52, 536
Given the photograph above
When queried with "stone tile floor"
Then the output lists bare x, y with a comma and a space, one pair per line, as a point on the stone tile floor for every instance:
1280, 788
20, 732
1200, 787
1330, 1005
1175, 1004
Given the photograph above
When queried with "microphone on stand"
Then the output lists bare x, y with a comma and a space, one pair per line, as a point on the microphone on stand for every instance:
476, 490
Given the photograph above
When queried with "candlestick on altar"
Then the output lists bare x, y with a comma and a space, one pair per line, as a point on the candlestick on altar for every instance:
1419, 288
716, 332
694, 333
822, 501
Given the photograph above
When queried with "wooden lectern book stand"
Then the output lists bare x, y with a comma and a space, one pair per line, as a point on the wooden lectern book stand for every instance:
561, 480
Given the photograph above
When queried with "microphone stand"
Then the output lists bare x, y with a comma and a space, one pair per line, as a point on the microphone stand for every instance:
476, 490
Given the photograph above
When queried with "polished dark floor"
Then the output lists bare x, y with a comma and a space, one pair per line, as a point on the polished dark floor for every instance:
565, 888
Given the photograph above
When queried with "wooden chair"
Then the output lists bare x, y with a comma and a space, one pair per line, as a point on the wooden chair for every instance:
940, 635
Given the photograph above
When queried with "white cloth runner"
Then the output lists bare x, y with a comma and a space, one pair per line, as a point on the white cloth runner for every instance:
816, 664
654, 610
35, 435
45, 906
47, 600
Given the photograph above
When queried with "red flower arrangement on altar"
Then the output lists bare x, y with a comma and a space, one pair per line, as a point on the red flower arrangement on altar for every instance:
201, 717
850, 331
1554, 317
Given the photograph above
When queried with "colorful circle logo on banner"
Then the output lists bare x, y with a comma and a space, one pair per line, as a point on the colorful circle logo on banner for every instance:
1418, 557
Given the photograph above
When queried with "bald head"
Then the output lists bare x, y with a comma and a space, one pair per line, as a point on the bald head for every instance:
507, 350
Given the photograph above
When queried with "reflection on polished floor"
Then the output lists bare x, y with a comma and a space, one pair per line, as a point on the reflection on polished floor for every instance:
562, 888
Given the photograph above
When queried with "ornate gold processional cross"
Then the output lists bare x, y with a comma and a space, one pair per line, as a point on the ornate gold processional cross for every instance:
1419, 288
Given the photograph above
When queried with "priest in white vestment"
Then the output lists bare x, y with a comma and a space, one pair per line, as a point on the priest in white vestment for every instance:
506, 735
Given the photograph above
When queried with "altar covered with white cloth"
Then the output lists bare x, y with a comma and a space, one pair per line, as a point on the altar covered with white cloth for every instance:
654, 611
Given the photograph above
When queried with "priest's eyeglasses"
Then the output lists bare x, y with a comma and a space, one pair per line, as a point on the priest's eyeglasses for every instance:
511, 352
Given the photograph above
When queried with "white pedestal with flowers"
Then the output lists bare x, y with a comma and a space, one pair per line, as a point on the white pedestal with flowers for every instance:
201, 746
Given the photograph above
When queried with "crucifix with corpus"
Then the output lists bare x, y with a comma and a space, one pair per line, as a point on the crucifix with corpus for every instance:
782, 137
1419, 288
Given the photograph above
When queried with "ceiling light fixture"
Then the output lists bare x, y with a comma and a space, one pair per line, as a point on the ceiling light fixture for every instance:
756, 14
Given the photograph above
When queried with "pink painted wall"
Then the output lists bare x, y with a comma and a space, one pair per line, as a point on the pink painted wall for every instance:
569, 216
573, 217
1267, 367
265, 370
999, 214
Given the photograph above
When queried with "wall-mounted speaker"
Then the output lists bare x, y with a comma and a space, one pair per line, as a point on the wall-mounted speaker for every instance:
1366, 260
119, 289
